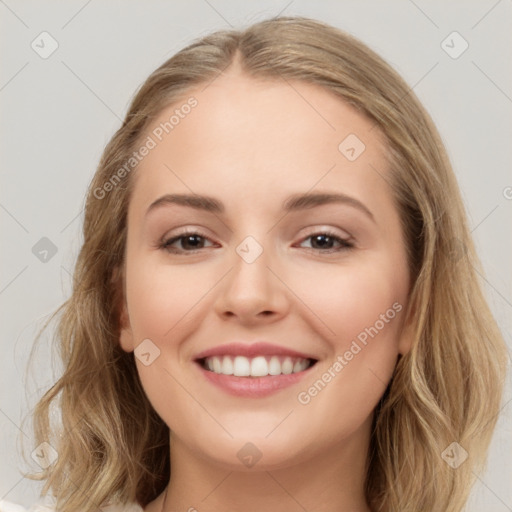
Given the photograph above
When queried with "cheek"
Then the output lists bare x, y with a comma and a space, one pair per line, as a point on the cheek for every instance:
363, 306
160, 298
361, 309
163, 303
349, 299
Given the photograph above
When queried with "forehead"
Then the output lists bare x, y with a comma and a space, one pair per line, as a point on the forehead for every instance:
246, 137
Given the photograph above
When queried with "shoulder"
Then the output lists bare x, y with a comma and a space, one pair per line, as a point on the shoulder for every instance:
7, 506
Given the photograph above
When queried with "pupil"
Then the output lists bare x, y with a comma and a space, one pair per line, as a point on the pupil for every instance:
192, 241
322, 240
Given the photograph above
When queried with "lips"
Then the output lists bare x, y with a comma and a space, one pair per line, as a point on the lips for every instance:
255, 349
254, 370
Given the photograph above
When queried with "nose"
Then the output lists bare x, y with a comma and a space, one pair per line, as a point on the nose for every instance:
252, 292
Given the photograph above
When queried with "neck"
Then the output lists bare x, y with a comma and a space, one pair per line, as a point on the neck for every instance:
331, 481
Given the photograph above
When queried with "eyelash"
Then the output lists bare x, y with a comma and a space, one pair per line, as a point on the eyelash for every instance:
345, 243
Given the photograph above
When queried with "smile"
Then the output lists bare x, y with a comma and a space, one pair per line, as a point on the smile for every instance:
259, 366
253, 370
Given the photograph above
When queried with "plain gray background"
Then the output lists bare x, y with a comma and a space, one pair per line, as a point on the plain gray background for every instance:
58, 113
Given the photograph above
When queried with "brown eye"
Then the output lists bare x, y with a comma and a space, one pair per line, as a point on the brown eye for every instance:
327, 242
186, 242
322, 242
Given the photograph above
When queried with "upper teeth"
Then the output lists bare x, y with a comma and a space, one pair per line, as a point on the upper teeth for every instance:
259, 366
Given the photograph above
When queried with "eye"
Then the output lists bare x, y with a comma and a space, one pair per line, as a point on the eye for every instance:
327, 242
186, 242
189, 242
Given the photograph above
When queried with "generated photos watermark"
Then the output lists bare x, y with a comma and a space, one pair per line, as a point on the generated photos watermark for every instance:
357, 345
150, 143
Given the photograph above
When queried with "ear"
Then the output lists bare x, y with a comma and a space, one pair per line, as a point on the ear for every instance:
125, 333
125, 330
406, 335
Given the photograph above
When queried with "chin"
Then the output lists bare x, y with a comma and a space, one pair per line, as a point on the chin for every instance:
255, 453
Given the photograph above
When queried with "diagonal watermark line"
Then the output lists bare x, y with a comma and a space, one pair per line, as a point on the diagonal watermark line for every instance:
199, 403
65, 431
198, 301
76, 14
420, 80
381, 175
485, 218
216, 216
216, 487
91, 90
316, 110
14, 76
491, 80
424, 14
280, 423
211, 6
485, 15
17, 426
286, 491
375, 124
12, 488
68, 431
376, 376
13, 13
284, 9
13, 279
495, 417
309, 190
14, 218
72, 220
81, 491
66, 270
483, 277
508, 508
334, 334
219, 73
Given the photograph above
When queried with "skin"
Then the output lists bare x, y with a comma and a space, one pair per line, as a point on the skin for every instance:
251, 144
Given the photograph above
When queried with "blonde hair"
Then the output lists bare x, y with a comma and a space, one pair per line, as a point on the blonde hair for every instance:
112, 446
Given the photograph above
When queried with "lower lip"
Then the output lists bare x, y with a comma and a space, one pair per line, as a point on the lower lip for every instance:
252, 387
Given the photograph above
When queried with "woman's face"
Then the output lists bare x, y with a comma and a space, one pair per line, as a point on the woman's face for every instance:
226, 257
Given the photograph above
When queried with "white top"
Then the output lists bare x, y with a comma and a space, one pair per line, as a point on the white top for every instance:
6, 506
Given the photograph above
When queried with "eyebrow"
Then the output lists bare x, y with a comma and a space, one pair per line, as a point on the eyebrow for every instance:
295, 202
310, 200
206, 203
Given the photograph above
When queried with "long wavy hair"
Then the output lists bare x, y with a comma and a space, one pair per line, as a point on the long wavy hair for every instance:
111, 444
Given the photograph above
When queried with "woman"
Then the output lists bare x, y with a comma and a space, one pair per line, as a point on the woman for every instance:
276, 305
